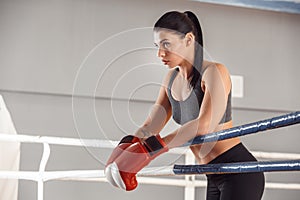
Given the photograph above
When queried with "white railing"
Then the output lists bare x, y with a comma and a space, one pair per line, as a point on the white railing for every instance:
189, 182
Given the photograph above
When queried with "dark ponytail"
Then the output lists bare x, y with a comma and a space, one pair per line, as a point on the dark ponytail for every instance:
184, 23
198, 47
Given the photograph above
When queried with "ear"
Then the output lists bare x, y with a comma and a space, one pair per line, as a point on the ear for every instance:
190, 38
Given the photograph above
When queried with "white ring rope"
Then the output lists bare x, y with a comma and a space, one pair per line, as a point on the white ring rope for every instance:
42, 176
111, 144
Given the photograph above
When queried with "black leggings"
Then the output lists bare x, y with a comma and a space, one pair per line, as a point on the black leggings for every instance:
244, 186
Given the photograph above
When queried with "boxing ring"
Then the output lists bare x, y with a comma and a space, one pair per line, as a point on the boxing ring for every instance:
159, 175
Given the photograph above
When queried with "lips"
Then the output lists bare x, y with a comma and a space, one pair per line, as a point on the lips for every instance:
165, 62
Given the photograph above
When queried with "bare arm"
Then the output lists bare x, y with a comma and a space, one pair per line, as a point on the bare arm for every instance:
159, 115
216, 86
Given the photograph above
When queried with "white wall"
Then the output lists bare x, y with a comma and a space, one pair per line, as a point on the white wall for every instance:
44, 44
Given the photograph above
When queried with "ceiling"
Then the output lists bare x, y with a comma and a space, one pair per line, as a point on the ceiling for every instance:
288, 6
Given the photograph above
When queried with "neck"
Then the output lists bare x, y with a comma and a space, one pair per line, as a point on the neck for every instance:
186, 71
186, 67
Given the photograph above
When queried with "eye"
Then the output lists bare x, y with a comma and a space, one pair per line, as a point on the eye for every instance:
166, 45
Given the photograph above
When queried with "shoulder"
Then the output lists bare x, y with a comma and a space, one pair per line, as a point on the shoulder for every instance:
167, 78
209, 66
216, 71
169, 75
214, 68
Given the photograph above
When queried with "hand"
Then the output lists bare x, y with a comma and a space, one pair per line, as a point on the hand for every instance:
123, 144
135, 157
143, 133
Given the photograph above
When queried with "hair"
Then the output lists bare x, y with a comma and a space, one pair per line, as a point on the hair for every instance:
183, 23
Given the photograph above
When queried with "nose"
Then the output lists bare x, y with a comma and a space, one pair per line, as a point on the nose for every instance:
161, 53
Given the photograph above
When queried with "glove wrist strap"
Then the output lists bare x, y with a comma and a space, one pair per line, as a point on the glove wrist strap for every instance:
155, 145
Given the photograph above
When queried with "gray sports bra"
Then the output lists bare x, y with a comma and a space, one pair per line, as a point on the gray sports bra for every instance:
188, 109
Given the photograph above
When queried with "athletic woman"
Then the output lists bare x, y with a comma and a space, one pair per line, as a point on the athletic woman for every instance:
197, 94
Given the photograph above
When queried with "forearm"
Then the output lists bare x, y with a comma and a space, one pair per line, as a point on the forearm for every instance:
186, 132
155, 122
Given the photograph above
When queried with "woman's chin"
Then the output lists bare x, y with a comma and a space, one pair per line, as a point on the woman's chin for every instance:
170, 66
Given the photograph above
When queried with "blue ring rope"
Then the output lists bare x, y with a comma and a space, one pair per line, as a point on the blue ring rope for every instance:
272, 123
239, 167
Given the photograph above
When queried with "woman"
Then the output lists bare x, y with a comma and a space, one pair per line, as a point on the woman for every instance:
197, 93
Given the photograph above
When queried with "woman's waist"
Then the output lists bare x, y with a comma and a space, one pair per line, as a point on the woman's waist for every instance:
210, 151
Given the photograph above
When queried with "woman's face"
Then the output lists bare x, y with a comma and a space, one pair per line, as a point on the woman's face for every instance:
171, 47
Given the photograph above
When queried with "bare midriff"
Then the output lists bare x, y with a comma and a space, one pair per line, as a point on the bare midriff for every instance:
206, 152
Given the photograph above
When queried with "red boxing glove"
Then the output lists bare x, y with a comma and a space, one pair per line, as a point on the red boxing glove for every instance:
123, 144
133, 159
